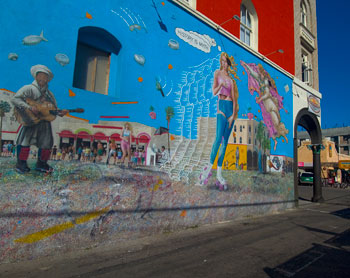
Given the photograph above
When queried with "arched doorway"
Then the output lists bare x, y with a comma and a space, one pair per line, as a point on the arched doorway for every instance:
311, 124
249, 160
255, 160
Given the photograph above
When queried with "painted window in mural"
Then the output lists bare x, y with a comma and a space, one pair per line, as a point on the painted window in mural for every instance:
91, 69
94, 55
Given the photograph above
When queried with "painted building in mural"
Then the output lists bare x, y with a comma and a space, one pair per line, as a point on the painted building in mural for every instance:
199, 123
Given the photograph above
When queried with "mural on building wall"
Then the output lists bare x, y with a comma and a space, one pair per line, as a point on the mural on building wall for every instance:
131, 117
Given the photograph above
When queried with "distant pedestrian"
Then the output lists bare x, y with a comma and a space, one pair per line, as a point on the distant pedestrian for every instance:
54, 153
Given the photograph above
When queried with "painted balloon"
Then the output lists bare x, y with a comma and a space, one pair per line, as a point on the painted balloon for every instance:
62, 59
13, 56
173, 44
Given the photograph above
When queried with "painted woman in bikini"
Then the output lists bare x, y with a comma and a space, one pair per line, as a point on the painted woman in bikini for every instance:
126, 142
225, 88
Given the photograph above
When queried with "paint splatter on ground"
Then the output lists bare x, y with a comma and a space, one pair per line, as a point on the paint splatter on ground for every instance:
81, 205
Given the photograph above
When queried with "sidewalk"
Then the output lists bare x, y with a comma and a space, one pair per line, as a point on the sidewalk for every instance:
311, 241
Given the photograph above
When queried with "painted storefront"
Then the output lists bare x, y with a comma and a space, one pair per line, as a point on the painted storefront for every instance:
152, 65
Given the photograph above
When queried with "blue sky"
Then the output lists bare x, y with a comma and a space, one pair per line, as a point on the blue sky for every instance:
333, 62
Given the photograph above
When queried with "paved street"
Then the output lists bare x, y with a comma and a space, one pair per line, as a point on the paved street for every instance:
311, 241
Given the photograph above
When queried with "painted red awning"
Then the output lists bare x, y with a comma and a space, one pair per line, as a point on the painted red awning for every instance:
84, 135
143, 139
100, 136
116, 137
66, 134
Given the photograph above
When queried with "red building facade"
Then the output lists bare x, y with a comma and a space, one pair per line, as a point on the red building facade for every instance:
272, 25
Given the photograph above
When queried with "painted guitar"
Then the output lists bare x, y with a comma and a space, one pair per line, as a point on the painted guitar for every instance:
46, 112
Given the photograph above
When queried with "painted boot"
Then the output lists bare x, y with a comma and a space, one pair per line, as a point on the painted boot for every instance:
41, 164
22, 156
220, 181
205, 175
22, 167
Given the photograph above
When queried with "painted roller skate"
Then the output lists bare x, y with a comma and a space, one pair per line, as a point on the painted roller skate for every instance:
221, 185
220, 181
205, 175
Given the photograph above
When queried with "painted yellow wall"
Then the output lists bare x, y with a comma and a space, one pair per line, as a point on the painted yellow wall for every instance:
230, 157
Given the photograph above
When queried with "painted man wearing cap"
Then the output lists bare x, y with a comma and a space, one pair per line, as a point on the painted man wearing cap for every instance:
39, 134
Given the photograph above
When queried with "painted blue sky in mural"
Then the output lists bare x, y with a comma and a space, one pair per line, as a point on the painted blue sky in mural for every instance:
167, 58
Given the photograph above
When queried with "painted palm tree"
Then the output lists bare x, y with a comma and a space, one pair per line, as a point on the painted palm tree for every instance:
260, 133
169, 112
260, 137
4, 108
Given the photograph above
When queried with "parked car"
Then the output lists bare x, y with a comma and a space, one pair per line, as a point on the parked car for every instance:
306, 178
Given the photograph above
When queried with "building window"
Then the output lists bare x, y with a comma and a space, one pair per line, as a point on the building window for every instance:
234, 128
246, 25
240, 128
234, 140
306, 69
94, 55
240, 140
249, 24
249, 129
249, 141
303, 13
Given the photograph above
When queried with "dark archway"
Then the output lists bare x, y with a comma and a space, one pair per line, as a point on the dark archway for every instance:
255, 160
249, 160
310, 122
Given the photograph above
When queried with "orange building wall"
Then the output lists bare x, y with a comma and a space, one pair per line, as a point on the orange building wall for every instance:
329, 154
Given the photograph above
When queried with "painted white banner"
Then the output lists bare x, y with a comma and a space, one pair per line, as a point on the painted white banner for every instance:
201, 42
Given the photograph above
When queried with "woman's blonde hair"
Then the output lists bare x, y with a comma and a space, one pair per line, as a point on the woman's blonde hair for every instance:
232, 69
129, 125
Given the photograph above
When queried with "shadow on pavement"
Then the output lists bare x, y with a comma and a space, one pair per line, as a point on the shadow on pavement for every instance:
344, 213
319, 261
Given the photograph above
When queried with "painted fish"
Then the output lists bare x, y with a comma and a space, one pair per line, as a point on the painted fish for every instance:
34, 39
